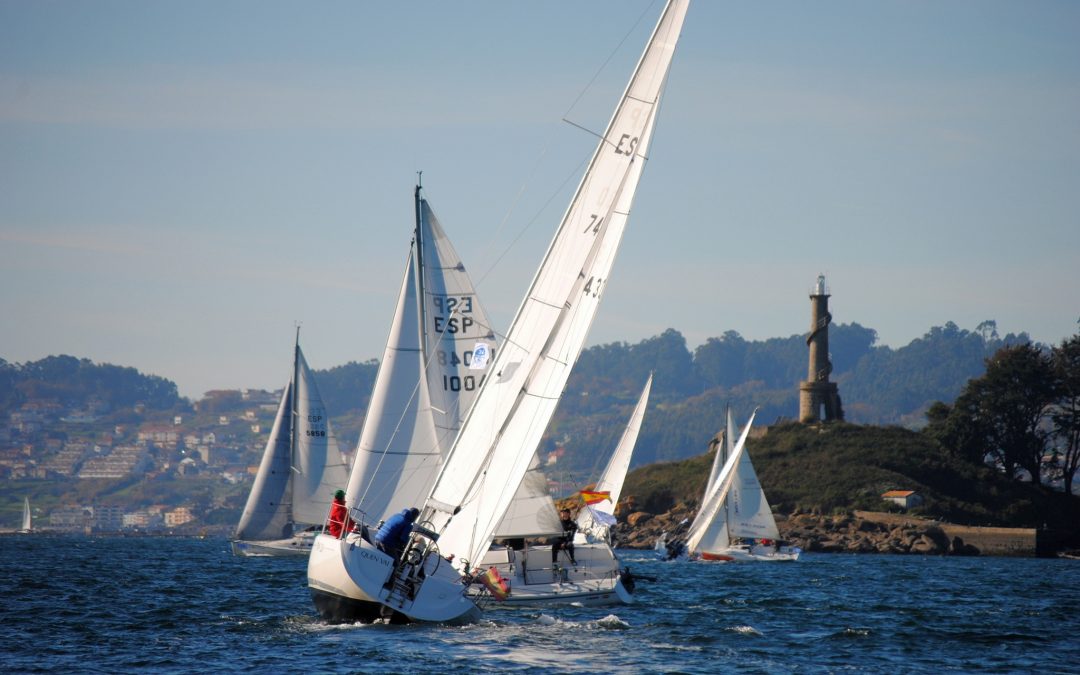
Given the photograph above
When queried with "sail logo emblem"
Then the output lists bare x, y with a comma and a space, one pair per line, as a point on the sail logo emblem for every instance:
480, 355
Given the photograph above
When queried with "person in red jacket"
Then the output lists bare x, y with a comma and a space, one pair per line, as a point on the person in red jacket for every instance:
339, 519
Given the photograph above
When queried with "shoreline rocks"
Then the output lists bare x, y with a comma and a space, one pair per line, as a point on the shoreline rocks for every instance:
861, 532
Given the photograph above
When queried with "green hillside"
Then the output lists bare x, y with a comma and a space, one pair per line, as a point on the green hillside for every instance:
842, 467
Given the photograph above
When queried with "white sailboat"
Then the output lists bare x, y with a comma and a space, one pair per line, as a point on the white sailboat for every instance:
741, 527
301, 468
595, 576
500, 434
437, 355
27, 520
596, 520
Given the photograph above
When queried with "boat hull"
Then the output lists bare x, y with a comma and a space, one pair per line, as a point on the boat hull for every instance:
756, 553
300, 545
430, 591
336, 597
596, 579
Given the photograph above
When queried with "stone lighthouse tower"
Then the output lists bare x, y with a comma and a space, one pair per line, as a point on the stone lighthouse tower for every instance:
818, 398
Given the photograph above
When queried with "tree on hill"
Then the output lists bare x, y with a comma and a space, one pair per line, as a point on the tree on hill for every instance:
1065, 361
74, 381
899, 385
347, 387
1004, 416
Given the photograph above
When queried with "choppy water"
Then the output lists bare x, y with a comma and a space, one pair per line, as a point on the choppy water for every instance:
111, 605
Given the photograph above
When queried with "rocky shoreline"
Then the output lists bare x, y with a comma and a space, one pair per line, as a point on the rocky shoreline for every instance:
858, 532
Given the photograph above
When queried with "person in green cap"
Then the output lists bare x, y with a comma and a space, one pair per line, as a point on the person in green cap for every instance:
338, 520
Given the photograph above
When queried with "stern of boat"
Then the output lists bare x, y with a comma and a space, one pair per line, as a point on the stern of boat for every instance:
336, 597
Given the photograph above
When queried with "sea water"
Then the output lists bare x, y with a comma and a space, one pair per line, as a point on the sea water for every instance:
115, 604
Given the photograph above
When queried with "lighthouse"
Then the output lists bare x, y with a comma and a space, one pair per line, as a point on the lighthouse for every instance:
819, 399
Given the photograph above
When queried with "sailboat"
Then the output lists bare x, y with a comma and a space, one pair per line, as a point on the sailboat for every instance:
437, 355
741, 527
27, 521
300, 469
499, 436
597, 519
595, 575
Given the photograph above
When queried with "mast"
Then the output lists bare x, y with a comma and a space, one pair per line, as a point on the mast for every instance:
421, 292
294, 411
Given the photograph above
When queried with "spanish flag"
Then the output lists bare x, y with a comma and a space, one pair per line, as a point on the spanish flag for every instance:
495, 583
591, 497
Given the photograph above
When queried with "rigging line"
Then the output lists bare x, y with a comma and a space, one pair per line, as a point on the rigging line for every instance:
576, 171
648, 11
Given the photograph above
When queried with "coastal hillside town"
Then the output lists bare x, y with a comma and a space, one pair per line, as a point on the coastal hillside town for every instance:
217, 444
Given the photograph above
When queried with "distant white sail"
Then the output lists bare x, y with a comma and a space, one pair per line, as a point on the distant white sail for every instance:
596, 518
27, 521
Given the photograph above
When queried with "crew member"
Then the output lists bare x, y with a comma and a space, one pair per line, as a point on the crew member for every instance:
394, 533
339, 519
566, 543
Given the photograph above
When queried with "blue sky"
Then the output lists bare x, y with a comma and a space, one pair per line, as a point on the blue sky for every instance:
182, 182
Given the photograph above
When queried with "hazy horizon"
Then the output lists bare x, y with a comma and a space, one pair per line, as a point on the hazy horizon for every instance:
184, 182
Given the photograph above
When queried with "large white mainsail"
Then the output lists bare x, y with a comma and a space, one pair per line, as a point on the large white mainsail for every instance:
748, 513
300, 468
431, 371
499, 437
595, 520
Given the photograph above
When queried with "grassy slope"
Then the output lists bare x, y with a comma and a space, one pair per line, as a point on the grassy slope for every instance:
840, 467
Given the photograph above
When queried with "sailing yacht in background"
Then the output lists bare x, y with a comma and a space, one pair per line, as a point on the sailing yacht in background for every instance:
437, 355
596, 519
741, 527
300, 469
27, 520
594, 576
500, 434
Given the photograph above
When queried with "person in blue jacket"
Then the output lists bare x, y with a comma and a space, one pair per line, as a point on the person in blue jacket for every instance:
394, 533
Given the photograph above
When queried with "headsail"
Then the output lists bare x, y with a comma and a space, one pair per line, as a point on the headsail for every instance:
501, 433
429, 375
602, 513
267, 514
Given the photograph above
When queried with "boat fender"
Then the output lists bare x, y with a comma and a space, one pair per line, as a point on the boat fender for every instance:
627, 578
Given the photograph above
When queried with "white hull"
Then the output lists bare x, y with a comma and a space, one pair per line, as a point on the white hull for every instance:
755, 553
430, 590
595, 580
299, 545
336, 597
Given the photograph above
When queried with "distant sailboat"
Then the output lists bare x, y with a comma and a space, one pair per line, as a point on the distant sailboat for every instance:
499, 436
300, 470
597, 518
735, 523
27, 521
